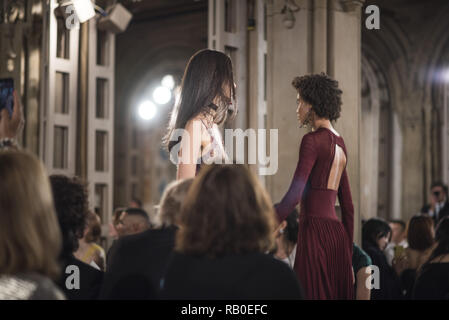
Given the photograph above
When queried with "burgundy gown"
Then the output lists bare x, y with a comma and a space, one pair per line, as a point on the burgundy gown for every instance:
323, 260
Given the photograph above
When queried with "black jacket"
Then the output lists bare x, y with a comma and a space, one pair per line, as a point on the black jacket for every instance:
389, 281
246, 276
90, 280
444, 212
137, 264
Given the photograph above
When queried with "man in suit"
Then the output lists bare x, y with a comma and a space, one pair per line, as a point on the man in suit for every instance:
439, 204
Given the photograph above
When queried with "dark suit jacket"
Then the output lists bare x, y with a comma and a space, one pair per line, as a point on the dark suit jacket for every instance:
444, 212
137, 264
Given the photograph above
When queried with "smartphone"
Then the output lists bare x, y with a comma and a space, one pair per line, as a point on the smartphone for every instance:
7, 95
399, 251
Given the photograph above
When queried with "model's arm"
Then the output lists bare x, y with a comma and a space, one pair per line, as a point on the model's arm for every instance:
307, 158
347, 208
190, 150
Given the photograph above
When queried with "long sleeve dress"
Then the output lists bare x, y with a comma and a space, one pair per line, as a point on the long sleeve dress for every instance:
324, 250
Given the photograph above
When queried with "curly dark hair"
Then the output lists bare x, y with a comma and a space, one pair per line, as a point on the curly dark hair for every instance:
322, 93
70, 198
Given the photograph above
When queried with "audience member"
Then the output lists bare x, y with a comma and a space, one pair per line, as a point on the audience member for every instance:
139, 261
226, 227
70, 197
420, 237
89, 251
286, 239
132, 221
30, 240
361, 264
433, 278
376, 234
439, 202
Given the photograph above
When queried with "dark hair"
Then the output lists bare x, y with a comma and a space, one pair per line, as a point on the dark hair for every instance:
419, 233
440, 184
226, 211
206, 77
70, 198
442, 237
373, 230
322, 93
399, 222
138, 212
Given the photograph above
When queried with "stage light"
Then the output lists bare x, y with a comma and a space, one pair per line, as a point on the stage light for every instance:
162, 95
84, 9
168, 81
147, 110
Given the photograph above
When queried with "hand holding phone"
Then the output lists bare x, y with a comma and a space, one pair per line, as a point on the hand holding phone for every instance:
7, 95
11, 124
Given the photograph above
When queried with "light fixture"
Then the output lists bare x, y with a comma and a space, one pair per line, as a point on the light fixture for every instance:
168, 81
147, 110
84, 9
162, 95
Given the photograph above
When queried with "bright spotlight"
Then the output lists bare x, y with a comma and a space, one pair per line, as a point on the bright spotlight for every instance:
162, 95
168, 81
84, 9
147, 110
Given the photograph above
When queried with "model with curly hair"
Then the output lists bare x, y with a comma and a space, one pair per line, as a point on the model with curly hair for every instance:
324, 250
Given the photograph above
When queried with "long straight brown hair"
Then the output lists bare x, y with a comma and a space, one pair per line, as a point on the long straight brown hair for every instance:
208, 75
30, 239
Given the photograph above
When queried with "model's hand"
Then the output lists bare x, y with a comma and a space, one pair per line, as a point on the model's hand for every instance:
11, 127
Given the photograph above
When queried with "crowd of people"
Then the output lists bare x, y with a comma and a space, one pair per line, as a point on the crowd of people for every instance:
216, 234
235, 251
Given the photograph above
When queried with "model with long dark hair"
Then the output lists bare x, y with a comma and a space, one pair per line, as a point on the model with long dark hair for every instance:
206, 99
324, 250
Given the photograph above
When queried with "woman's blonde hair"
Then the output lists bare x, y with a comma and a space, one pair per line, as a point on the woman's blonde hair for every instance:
227, 211
30, 238
172, 199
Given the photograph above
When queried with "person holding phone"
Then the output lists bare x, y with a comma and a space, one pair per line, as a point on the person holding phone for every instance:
11, 124
439, 204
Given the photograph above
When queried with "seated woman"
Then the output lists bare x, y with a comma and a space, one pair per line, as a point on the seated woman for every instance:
420, 238
376, 234
89, 251
286, 239
139, 261
71, 204
227, 225
30, 239
433, 278
361, 265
